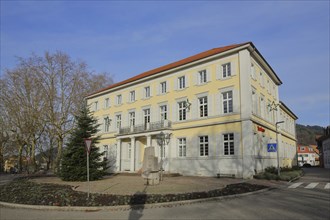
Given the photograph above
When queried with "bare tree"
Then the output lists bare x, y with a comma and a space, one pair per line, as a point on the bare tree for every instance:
40, 97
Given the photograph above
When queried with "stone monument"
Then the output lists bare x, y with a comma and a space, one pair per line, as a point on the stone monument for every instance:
150, 168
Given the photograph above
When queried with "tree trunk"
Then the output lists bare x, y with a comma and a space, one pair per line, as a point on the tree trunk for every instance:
59, 155
19, 162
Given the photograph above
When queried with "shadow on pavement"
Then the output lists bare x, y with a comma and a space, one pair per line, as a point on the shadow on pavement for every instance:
137, 203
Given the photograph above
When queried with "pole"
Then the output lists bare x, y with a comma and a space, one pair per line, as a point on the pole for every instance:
278, 157
88, 174
277, 150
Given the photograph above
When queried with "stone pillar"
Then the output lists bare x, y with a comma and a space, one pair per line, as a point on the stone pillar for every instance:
132, 154
118, 158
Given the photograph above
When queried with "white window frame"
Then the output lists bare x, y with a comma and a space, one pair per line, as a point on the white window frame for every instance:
107, 103
119, 99
227, 102
227, 144
261, 78
96, 105
118, 120
131, 118
147, 93
226, 70
253, 71
129, 150
203, 106
146, 116
132, 96
107, 124
181, 82
182, 147
202, 76
203, 146
182, 111
163, 112
163, 87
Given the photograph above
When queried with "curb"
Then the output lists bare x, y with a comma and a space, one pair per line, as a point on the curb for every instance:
129, 207
298, 177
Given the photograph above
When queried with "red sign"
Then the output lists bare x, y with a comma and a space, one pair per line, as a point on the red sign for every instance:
88, 143
261, 129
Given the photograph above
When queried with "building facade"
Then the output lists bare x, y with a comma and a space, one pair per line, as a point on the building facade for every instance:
308, 155
218, 108
323, 144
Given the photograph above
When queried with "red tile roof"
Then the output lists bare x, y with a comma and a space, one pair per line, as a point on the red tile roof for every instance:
187, 60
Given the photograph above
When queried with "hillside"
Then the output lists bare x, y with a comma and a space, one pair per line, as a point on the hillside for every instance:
306, 134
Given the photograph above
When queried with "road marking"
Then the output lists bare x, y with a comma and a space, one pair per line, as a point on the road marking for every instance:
295, 185
327, 186
311, 185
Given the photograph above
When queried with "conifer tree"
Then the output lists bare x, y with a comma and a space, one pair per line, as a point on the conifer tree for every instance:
74, 162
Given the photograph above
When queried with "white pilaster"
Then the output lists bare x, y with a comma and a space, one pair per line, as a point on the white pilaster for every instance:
132, 154
118, 156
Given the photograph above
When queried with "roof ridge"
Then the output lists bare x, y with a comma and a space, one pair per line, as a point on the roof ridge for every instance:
172, 65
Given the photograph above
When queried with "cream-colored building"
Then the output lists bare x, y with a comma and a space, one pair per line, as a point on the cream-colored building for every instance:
219, 109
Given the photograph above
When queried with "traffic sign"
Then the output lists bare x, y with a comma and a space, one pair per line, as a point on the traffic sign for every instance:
272, 147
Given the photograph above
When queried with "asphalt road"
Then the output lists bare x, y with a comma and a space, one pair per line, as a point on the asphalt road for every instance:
297, 202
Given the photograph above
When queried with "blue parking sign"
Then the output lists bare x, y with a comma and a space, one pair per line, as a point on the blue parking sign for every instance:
271, 147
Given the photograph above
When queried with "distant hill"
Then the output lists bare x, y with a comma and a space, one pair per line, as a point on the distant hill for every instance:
306, 134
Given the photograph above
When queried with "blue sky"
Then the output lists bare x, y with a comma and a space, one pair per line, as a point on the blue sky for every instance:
125, 38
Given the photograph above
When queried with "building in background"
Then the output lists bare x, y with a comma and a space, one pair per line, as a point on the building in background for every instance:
308, 155
323, 144
219, 109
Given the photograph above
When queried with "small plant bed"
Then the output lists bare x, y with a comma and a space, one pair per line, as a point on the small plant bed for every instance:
286, 174
26, 192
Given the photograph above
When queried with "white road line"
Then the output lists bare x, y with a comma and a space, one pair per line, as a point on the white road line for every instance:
311, 185
295, 185
327, 186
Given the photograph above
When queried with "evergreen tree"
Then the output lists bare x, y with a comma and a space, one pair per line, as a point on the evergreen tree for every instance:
74, 162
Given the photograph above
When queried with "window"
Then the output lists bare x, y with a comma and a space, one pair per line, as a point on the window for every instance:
132, 96
146, 116
107, 124
228, 144
107, 103
226, 70
302, 148
261, 80
203, 146
106, 151
202, 77
96, 105
118, 121
254, 102
182, 82
182, 147
163, 112
227, 101
262, 106
118, 99
131, 118
203, 107
182, 110
163, 88
129, 150
147, 92
253, 71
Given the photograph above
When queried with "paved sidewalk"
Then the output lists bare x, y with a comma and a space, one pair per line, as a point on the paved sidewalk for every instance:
128, 185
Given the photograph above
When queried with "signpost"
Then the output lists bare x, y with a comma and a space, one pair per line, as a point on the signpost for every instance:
88, 143
272, 147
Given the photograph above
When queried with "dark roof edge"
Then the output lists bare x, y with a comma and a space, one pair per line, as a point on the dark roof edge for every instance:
287, 108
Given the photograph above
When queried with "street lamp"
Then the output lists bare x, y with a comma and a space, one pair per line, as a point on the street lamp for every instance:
278, 157
162, 140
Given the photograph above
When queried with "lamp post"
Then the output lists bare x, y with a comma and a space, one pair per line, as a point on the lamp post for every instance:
162, 139
278, 157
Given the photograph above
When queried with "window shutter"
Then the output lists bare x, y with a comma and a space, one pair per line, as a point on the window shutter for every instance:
218, 71
210, 105
186, 81
196, 77
233, 68
237, 148
208, 75
194, 114
176, 83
